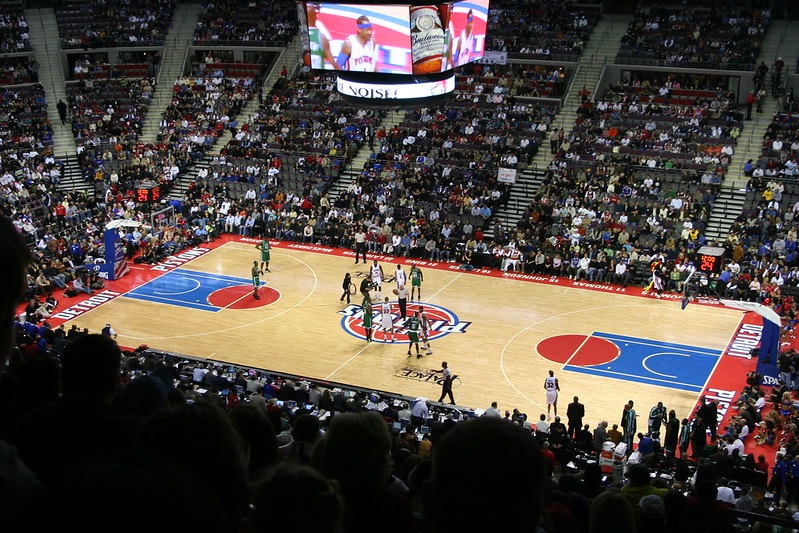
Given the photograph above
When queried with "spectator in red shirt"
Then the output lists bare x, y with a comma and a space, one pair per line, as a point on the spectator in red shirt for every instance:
61, 215
549, 457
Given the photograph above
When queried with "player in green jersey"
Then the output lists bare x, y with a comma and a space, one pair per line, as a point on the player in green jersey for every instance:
414, 325
265, 247
367, 319
416, 282
256, 280
319, 40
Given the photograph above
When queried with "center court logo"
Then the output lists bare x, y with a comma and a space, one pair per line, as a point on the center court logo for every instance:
442, 321
427, 375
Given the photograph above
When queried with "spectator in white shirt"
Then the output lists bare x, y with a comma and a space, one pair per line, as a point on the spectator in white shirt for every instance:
493, 411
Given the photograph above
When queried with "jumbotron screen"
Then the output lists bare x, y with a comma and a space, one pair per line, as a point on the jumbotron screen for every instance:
395, 39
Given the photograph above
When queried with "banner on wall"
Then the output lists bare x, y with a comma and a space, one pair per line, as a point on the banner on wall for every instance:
492, 57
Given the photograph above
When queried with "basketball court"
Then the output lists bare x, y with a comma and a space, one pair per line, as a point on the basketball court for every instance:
500, 334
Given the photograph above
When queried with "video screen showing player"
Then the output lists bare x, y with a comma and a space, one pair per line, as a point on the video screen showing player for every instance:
363, 38
466, 31
359, 51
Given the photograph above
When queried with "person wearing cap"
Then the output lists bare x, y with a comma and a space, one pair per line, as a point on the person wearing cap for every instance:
653, 513
359, 51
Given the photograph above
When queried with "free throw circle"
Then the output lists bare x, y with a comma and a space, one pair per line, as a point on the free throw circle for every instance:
240, 297
579, 350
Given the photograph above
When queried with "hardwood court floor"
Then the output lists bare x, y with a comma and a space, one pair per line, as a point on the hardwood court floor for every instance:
496, 357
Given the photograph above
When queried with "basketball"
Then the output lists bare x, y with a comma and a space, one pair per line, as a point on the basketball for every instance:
395, 291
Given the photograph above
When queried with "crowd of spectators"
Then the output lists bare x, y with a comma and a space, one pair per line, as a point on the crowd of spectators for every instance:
105, 112
104, 23
13, 31
780, 149
615, 218
111, 154
259, 22
100, 69
105, 109
558, 29
18, 70
430, 179
658, 126
37, 208
697, 35
610, 211
497, 81
272, 176
275, 171
203, 107
303, 119
91, 68
29, 168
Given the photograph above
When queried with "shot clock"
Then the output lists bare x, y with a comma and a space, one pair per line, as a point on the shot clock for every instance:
148, 193
710, 259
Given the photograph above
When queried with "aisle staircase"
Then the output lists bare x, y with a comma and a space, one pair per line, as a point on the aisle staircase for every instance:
600, 50
350, 174
173, 61
43, 31
290, 55
46, 43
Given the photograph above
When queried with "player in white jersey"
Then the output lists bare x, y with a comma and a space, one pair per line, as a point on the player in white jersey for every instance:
688, 286
377, 278
425, 321
400, 277
552, 387
359, 51
386, 319
463, 52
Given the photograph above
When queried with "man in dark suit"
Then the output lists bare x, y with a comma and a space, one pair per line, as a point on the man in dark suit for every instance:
709, 415
575, 413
